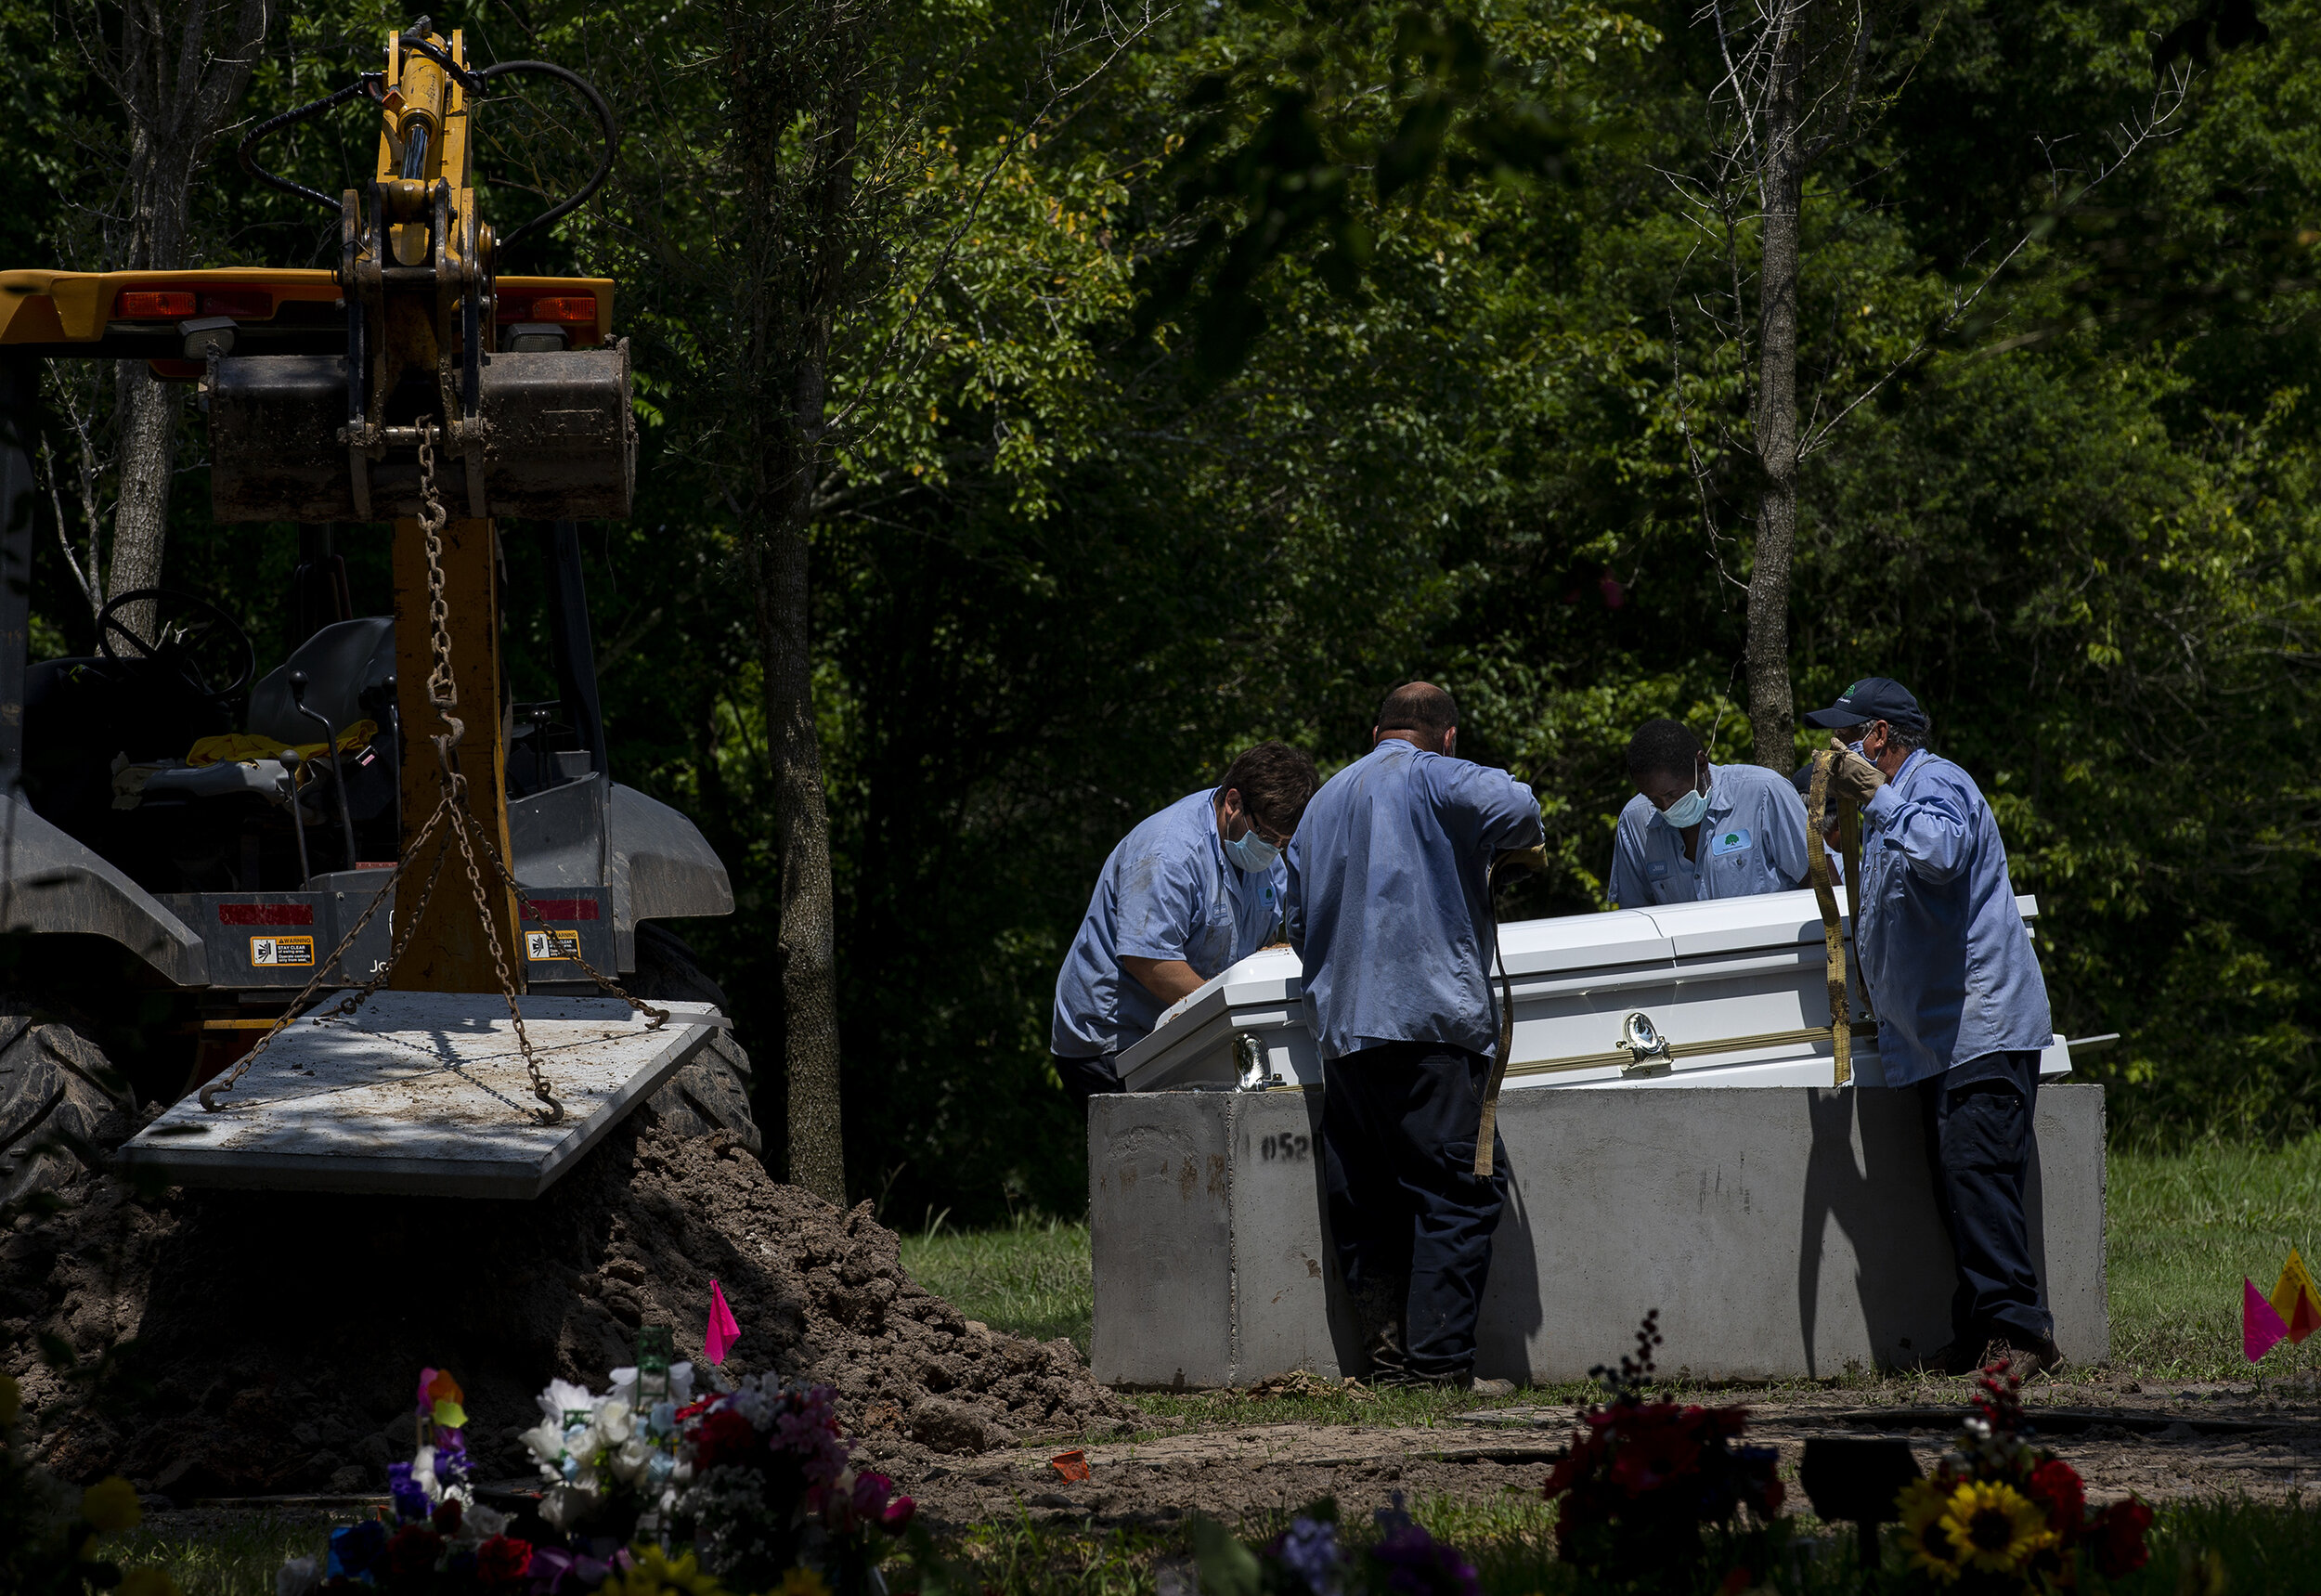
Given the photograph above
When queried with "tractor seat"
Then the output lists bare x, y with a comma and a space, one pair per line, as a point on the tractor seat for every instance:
345, 661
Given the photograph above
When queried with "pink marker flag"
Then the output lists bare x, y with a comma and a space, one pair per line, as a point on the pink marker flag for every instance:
723, 1333
2261, 1324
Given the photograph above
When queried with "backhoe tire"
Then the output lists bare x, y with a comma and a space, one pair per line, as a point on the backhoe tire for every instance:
62, 1105
711, 1092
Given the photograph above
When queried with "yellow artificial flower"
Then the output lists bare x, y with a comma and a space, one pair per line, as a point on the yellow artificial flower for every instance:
1995, 1527
802, 1581
655, 1575
1922, 1503
11, 1401
146, 1582
111, 1504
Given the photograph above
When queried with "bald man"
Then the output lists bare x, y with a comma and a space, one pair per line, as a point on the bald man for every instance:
1388, 905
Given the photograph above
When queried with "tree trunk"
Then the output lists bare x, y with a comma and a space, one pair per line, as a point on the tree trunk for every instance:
177, 74
149, 410
1772, 716
808, 941
794, 261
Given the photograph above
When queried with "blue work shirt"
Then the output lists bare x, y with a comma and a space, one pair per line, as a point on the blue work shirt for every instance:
1752, 841
1167, 892
1944, 949
1388, 901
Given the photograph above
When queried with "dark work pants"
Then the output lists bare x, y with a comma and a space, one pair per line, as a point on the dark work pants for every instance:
1084, 1078
1398, 1147
1978, 1118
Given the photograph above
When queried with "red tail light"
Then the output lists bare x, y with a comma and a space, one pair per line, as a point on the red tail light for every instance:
579, 310
145, 305
254, 304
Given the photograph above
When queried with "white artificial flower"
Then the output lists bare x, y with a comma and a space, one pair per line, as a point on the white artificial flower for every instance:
680, 1383
624, 1384
297, 1577
612, 1424
546, 1440
562, 1397
628, 1461
566, 1505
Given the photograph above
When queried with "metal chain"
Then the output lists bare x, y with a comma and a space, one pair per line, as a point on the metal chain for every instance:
443, 690
443, 697
298, 1005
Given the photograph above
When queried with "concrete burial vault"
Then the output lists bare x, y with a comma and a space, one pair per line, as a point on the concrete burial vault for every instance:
425, 1094
1781, 1231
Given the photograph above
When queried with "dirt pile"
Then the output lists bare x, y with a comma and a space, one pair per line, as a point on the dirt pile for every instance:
252, 1342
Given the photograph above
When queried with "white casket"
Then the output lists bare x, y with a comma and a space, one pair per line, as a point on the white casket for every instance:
1731, 992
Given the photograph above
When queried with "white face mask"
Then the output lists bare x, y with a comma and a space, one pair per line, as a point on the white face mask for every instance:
1251, 852
1686, 811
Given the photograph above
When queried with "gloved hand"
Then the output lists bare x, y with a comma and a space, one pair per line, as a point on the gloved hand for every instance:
1534, 858
1853, 777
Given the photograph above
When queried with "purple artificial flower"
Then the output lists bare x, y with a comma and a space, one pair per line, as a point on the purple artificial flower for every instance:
807, 1425
1309, 1549
451, 1460
409, 1497
1417, 1565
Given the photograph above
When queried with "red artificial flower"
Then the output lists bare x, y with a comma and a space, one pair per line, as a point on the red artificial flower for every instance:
2118, 1533
897, 1516
2055, 1485
725, 1437
445, 1518
1658, 1441
411, 1552
503, 1560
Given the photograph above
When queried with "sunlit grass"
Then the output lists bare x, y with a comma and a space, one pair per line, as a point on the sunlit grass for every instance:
1030, 1279
2185, 1229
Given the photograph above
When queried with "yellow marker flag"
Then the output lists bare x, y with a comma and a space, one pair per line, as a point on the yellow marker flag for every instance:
2296, 1300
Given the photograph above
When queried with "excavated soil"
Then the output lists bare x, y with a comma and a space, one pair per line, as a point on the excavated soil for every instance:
229, 1343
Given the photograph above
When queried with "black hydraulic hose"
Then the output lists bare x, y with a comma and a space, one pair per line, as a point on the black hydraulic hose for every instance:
299, 113
603, 113
473, 83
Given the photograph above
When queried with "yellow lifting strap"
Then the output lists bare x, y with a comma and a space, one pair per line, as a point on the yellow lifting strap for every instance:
1825, 895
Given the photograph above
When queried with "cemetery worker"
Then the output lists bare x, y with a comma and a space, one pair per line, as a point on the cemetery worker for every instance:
1192, 889
1388, 906
1962, 1006
1695, 830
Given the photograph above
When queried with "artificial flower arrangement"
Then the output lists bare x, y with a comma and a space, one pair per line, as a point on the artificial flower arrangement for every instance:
1662, 1494
2001, 1517
755, 1482
434, 1535
1310, 1559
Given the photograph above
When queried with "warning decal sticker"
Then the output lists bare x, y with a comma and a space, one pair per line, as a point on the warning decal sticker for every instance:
272, 953
552, 944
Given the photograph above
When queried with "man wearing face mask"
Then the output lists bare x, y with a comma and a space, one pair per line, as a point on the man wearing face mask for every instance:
1962, 1007
1695, 830
1192, 889
1388, 906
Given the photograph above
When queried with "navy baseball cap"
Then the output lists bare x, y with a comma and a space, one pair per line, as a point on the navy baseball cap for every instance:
1872, 698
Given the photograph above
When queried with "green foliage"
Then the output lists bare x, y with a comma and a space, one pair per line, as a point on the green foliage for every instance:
1087, 534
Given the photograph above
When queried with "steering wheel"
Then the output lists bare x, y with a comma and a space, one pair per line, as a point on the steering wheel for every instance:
199, 642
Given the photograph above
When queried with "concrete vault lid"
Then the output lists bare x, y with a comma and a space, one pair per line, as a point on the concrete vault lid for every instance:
425, 1094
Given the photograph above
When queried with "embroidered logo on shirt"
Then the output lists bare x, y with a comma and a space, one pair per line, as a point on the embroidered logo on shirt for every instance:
1657, 870
1734, 841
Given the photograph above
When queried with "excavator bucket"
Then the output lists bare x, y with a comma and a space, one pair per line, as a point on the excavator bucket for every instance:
558, 442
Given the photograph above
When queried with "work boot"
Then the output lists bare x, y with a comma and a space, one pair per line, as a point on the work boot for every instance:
1378, 1319
2021, 1357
